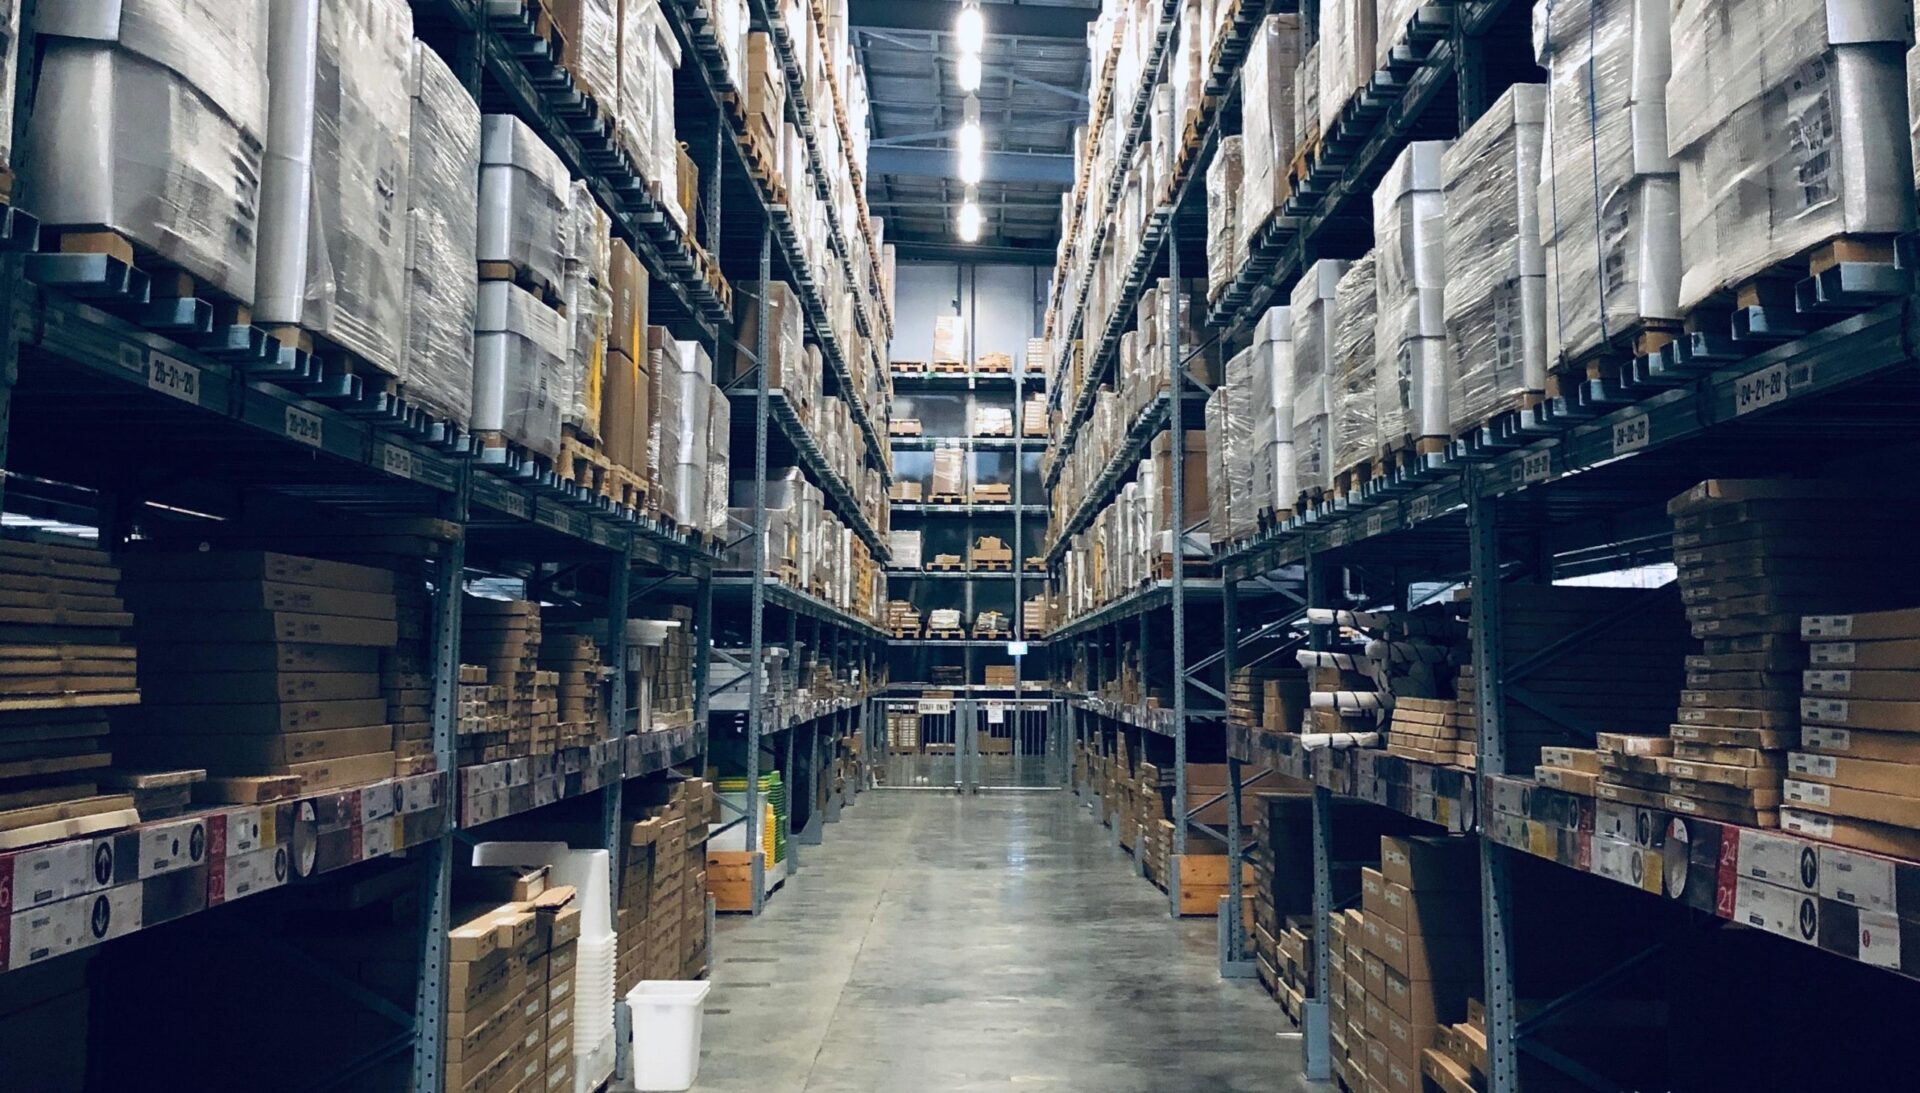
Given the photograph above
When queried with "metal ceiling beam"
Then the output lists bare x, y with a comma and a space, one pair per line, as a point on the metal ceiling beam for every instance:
1034, 167
1003, 20
988, 251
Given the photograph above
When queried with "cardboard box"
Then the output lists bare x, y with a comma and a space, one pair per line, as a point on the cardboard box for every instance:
1432, 956
1885, 808
254, 565
1871, 626
623, 412
1881, 715
1430, 864
628, 282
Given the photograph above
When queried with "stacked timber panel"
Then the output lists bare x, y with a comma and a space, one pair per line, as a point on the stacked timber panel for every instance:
64, 663
263, 668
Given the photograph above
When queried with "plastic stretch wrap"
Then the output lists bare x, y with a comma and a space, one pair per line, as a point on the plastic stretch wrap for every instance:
1496, 302
524, 197
1347, 30
663, 143
9, 73
1306, 97
444, 179
719, 464
1237, 453
149, 119
590, 52
1312, 314
1219, 484
949, 339
1356, 365
949, 471
1273, 395
520, 347
1788, 123
589, 301
992, 421
1268, 124
684, 466
1913, 115
333, 185
1609, 197
1223, 215
786, 350
1410, 269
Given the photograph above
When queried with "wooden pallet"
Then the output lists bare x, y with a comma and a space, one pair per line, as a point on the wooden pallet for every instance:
993, 635
1604, 361
992, 494
1000, 434
1004, 565
904, 426
950, 367
1304, 159
1350, 482
539, 287
167, 281
994, 364
1196, 567
939, 566
908, 368
946, 499
944, 634
903, 633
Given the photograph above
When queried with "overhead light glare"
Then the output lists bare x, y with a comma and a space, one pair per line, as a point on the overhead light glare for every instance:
967, 71
969, 224
970, 29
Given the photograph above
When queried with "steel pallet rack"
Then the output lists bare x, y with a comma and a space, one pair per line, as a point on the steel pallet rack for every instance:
187, 422
1174, 234
1576, 487
757, 241
974, 389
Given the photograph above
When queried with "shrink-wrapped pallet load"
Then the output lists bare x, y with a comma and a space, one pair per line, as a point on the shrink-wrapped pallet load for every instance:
1268, 124
589, 302
333, 239
1496, 294
588, 33
1306, 99
1273, 410
1788, 123
683, 470
719, 459
1237, 451
1346, 46
1355, 366
1312, 315
1609, 195
524, 197
1225, 246
520, 347
149, 120
785, 336
436, 370
1410, 267
949, 339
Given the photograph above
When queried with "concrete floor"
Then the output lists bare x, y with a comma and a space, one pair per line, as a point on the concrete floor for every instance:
944, 943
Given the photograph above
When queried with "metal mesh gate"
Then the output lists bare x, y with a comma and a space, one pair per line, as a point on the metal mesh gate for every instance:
942, 743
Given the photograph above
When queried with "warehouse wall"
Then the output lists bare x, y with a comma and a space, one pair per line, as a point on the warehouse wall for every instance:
1005, 303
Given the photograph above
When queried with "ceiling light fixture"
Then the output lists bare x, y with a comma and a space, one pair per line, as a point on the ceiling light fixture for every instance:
969, 222
967, 72
970, 27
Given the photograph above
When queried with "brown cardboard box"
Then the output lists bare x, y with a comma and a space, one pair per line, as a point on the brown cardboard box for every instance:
1431, 957
1433, 864
1427, 1002
1860, 804
1194, 467
620, 403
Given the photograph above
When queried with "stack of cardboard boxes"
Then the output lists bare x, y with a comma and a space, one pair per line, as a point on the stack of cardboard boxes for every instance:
510, 997
662, 915
669, 671
262, 668
406, 670
1420, 948
574, 662
504, 637
1853, 780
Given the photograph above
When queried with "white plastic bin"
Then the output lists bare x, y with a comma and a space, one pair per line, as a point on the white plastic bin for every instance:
666, 1032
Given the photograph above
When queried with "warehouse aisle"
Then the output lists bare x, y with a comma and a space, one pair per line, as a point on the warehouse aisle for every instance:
942, 943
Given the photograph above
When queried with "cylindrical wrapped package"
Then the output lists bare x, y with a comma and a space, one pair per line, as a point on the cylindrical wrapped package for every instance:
1410, 268
1223, 225
1273, 389
1496, 301
1312, 314
1788, 123
1356, 366
719, 461
148, 120
524, 197
1609, 197
520, 346
333, 240
443, 182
